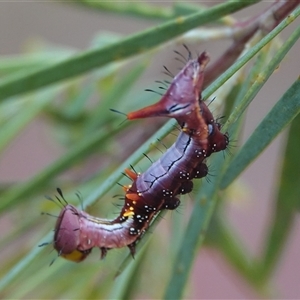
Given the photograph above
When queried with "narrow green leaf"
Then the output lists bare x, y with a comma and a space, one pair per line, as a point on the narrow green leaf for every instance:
205, 202
124, 283
143, 9
13, 63
287, 199
140, 244
129, 46
280, 115
21, 265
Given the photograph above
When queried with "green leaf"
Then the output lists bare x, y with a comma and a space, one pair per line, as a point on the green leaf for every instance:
137, 43
285, 110
143, 9
287, 198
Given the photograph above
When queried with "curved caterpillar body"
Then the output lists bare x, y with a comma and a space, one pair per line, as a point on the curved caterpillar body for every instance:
76, 232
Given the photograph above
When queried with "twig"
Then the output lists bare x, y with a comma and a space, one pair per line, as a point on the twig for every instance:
243, 31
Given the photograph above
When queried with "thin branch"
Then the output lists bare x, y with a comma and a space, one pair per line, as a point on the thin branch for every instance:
244, 31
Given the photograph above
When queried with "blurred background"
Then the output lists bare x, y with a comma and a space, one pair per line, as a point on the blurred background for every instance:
25, 26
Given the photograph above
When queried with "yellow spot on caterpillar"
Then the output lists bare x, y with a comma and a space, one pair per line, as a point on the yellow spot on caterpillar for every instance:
128, 214
131, 208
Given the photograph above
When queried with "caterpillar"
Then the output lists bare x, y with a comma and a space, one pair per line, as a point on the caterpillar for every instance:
77, 233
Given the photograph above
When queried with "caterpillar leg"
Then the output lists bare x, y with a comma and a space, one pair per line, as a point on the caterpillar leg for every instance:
132, 249
186, 187
103, 251
200, 171
171, 203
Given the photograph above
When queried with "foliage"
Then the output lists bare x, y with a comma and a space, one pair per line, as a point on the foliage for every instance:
29, 83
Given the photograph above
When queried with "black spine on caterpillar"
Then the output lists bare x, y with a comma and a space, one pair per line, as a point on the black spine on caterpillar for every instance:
76, 232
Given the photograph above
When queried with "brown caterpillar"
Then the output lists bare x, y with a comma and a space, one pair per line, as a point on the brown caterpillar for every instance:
76, 232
